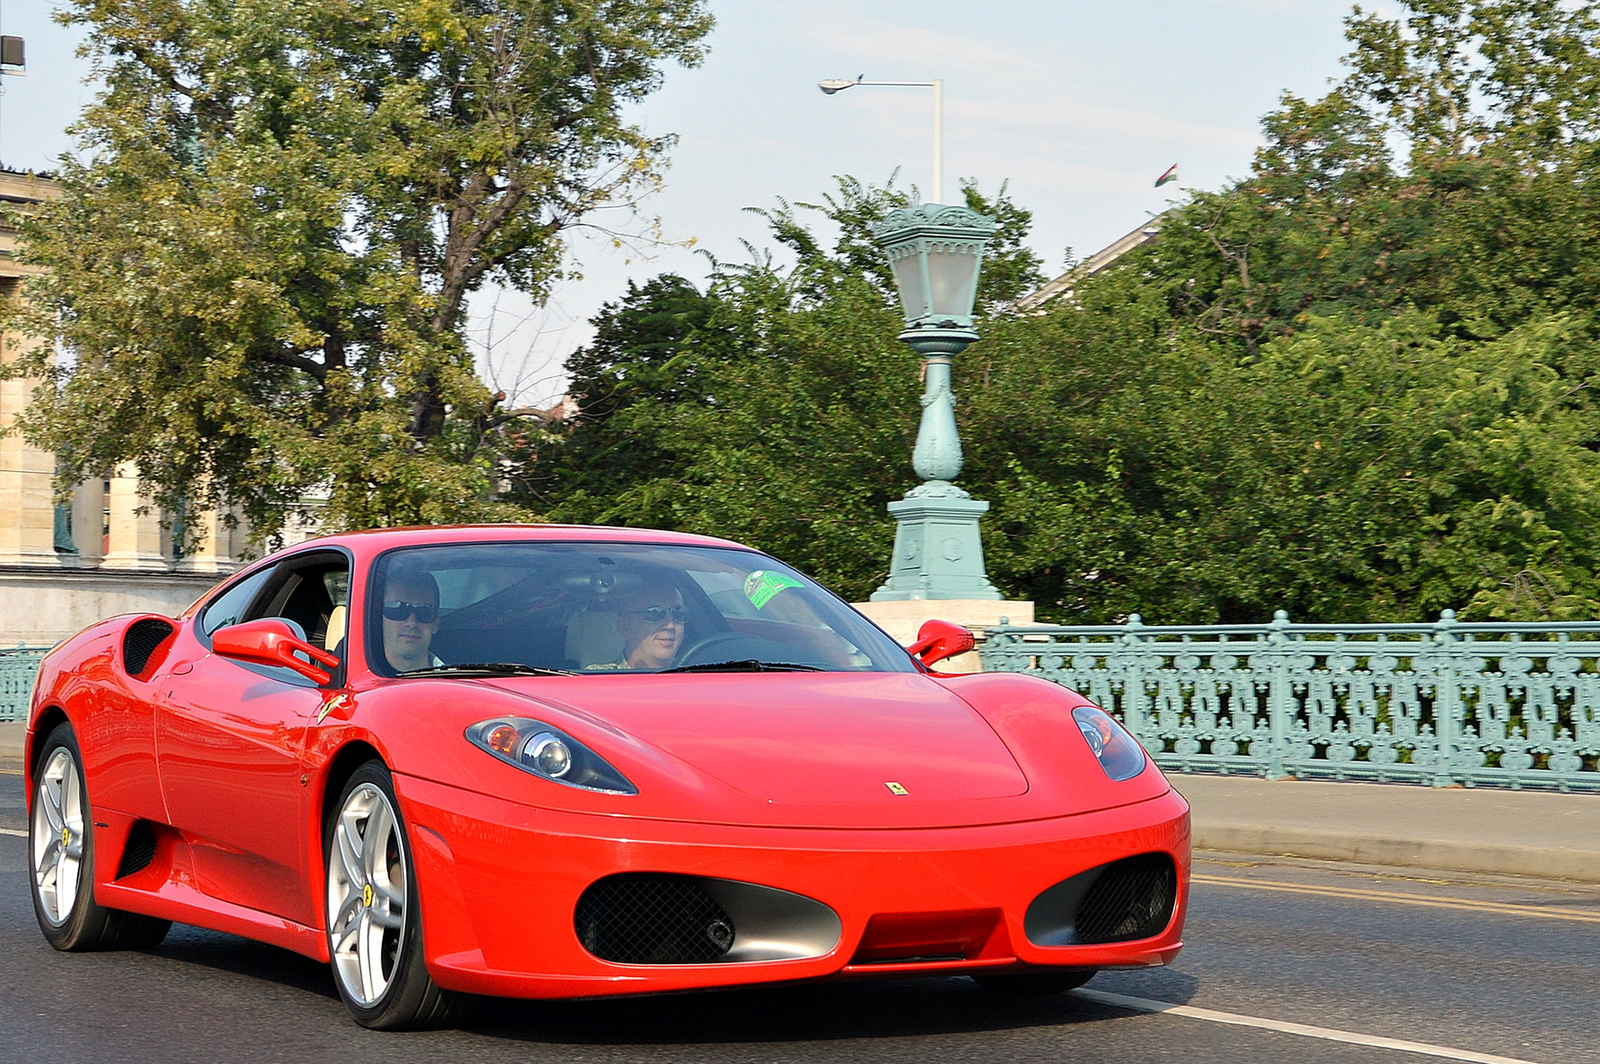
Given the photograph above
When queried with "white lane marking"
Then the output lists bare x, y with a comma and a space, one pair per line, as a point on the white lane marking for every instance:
1327, 1034
14, 831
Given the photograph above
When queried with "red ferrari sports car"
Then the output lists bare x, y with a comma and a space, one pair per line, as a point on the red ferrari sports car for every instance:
544, 761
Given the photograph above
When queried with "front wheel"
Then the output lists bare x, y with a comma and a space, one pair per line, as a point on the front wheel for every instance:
61, 858
374, 927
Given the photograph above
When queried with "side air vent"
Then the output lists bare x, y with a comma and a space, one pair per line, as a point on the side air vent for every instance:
141, 640
140, 850
1118, 902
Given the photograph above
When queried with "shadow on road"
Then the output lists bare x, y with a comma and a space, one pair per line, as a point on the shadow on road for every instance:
781, 1013
803, 1013
242, 956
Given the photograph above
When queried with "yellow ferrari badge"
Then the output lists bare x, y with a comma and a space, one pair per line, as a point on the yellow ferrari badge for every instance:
334, 701
366, 895
895, 788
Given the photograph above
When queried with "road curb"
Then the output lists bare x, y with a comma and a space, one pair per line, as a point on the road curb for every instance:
1444, 855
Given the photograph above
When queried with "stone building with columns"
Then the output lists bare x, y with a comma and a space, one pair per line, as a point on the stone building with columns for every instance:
63, 567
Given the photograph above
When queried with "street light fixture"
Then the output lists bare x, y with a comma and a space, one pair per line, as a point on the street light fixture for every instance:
935, 251
833, 85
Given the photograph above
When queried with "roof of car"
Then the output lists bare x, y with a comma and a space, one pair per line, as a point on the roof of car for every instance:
371, 540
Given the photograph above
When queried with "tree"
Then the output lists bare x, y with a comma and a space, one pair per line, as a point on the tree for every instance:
1357, 384
260, 264
639, 355
778, 407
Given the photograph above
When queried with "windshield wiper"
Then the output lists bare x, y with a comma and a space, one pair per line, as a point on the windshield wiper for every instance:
487, 668
745, 665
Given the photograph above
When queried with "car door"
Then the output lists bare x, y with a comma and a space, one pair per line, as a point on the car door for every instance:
230, 737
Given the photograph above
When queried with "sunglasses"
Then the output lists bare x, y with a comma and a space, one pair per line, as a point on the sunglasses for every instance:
399, 611
656, 615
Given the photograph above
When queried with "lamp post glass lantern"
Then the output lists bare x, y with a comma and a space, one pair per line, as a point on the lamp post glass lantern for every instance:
935, 251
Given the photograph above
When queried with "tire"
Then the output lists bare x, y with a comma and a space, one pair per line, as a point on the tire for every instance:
61, 860
1020, 983
374, 922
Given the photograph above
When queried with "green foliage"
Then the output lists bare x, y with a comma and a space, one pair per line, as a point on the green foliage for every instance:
1356, 385
260, 263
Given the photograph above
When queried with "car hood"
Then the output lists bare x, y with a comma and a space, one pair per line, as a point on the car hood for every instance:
802, 749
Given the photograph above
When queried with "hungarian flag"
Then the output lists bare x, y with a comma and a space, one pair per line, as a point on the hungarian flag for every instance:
1170, 175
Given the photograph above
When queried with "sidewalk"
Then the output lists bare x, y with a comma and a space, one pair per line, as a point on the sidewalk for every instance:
1530, 833
12, 735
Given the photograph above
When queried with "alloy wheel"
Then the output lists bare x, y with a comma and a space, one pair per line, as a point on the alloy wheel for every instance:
367, 881
57, 837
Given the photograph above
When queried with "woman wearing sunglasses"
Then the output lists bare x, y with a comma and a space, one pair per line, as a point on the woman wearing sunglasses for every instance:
410, 619
650, 621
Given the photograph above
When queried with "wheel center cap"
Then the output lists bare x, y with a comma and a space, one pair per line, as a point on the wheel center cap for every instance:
366, 895
66, 836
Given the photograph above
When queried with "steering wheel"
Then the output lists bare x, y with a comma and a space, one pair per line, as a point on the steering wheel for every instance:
686, 657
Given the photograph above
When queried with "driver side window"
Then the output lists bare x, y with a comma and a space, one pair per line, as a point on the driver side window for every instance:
311, 592
313, 596
232, 605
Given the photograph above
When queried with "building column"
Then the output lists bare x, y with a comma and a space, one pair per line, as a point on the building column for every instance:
135, 539
214, 546
89, 521
27, 505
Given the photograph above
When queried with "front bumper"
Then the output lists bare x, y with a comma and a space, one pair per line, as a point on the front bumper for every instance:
499, 884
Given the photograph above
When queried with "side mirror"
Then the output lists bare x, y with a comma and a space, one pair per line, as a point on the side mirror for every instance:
270, 641
937, 640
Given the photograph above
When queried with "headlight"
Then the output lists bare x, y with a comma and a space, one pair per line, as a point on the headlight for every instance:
1118, 752
547, 752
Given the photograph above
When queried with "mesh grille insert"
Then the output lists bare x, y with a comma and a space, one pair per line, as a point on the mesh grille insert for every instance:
1132, 898
141, 640
140, 850
652, 918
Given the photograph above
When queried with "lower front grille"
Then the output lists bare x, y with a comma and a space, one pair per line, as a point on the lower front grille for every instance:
1117, 902
653, 918
1131, 899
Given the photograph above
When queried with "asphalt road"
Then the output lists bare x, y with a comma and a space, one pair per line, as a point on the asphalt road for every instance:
1483, 964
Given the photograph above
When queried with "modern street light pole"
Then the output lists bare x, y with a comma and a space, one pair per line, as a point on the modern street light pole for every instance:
834, 85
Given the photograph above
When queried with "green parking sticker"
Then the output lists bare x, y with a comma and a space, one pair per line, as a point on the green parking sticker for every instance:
761, 585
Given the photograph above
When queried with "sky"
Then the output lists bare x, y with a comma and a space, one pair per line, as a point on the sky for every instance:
1077, 104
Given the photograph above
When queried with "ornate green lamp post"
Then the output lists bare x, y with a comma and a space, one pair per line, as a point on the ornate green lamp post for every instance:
936, 251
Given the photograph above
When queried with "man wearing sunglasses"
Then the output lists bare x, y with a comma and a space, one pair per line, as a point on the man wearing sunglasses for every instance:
650, 622
410, 619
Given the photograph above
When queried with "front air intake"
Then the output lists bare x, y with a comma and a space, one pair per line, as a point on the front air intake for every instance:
1131, 899
653, 918
1118, 902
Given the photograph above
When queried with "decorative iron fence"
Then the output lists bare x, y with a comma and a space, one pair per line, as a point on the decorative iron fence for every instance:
17, 668
1513, 705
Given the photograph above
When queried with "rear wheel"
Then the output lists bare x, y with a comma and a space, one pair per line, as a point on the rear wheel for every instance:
374, 929
1035, 982
61, 859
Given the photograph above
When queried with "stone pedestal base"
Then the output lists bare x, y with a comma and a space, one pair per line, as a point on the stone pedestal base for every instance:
937, 550
901, 619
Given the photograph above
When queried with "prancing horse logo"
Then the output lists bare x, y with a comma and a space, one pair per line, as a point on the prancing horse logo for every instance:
895, 788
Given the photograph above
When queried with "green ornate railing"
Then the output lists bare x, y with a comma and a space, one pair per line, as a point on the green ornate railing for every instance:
17, 668
1513, 705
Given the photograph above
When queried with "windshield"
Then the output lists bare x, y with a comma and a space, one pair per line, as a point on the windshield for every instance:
596, 608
